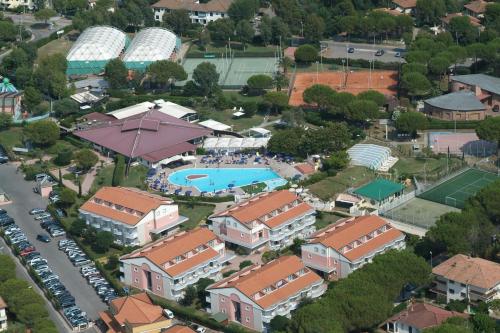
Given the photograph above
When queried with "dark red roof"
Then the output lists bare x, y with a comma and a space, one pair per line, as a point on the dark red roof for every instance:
422, 315
152, 135
97, 116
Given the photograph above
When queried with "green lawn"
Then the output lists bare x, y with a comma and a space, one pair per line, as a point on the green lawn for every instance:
13, 137
61, 45
324, 219
351, 177
195, 212
253, 189
239, 124
135, 178
420, 167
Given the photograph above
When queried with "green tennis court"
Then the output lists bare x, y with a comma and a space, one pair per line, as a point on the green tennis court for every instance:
455, 191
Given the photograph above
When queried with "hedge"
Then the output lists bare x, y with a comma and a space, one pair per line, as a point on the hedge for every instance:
196, 316
363, 63
237, 54
445, 124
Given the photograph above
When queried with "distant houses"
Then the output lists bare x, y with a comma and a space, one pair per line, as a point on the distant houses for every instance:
199, 12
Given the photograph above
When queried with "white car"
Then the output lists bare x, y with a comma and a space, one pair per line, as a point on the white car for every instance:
168, 313
201, 329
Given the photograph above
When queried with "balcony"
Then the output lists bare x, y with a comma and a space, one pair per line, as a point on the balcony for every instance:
122, 270
132, 235
95, 225
117, 232
106, 229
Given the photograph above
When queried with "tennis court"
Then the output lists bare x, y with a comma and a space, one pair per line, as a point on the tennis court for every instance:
235, 72
454, 192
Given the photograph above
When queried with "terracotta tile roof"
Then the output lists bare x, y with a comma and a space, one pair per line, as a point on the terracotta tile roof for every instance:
422, 315
136, 310
406, 3
305, 168
137, 200
112, 325
473, 271
3, 305
346, 231
256, 278
179, 329
477, 6
473, 21
167, 249
261, 205
212, 6
293, 212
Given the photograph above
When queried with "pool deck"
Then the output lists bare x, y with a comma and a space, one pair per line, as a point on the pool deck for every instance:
285, 170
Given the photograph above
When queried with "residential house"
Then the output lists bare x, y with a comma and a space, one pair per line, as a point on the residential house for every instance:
3, 315
199, 12
405, 6
179, 329
418, 317
167, 266
464, 277
476, 8
13, 4
130, 214
152, 138
134, 314
271, 219
475, 22
486, 88
343, 247
258, 293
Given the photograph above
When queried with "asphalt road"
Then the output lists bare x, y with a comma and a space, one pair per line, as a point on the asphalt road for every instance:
29, 21
23, 199
362, 51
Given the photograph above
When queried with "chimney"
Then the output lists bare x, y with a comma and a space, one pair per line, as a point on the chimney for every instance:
477, 90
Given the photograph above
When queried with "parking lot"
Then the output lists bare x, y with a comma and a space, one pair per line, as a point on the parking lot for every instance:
362, 51
23, 199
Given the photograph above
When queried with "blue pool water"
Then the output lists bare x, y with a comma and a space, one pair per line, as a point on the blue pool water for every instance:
215, 179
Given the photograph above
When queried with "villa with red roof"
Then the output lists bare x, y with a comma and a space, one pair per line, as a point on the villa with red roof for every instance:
342, 247
464, 277
418, 317
134, 314
132, 215
258, 293
167, 266
271, 219
151, 138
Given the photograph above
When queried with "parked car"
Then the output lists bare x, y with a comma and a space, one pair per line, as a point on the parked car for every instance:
379, 53
43, 238
350, 50
36, 211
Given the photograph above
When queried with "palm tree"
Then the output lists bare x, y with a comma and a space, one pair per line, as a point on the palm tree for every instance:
286, 63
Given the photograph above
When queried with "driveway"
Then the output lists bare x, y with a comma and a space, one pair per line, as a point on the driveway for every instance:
28, 20
23, 199
362, 51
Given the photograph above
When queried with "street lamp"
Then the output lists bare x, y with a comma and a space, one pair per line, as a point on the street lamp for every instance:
431, 258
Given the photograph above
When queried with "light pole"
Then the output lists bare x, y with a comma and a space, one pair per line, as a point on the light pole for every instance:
431, 258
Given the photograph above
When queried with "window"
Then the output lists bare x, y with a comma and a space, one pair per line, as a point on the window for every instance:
334, 262
279, 283
247, 308
158, 288
136, 280
309, 255
135, 269
323, 251
157, 277
222, 299
462, 294
242, 235
223, 310
235, 224
463, 285
451, 291
247, 319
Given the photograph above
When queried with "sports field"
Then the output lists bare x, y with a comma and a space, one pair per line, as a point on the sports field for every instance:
351, 82
233, 73
455, 191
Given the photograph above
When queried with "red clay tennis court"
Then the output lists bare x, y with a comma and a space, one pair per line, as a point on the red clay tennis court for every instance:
352, 82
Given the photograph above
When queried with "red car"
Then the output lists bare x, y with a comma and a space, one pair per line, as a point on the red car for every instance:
27, 250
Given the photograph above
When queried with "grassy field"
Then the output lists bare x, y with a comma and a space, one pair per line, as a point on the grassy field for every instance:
135, 178
350, 177
61, 45
12, 137
239, 124
324, 219
420, 167
195, 212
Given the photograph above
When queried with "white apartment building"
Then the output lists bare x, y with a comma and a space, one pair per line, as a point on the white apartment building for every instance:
201, 13
3, 315
13, 4
133, 216
271, 219
167, 266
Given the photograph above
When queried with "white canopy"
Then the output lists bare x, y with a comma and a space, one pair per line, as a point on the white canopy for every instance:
215, 125
234, 144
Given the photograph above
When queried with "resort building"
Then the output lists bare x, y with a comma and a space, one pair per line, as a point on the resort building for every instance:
165, 107
405, 6
343, 247
13, 4
271, 219
133, 216
152, 138
10, 98
476, 8
486, 88
258, 293
417, 317
169, 265
135, 314
459, 105
199, 12
372, 156
380, 191
3, 315
463, 277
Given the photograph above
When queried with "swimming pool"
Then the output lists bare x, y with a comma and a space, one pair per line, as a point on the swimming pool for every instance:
217, 179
